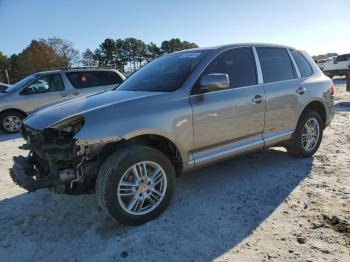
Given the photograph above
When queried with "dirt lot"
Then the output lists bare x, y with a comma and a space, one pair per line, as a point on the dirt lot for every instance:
265, 206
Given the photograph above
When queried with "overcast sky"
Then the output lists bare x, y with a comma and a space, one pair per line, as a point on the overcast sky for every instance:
314, 25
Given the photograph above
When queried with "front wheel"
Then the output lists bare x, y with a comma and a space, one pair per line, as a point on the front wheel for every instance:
135, 184
307, 136
11, 122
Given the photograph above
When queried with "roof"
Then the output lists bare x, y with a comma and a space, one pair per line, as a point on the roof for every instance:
76, 69
226, 46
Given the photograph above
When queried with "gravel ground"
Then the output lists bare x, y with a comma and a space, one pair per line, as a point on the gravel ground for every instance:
265, 206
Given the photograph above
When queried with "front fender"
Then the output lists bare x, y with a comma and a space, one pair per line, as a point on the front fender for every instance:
171, 119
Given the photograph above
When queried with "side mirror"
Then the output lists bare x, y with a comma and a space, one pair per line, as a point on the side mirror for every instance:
214, 82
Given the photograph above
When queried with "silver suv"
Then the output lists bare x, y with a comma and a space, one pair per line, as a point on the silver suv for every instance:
178, 113
19, 100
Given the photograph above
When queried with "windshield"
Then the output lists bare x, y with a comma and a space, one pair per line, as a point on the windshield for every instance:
3, 87
20, 84
164, 74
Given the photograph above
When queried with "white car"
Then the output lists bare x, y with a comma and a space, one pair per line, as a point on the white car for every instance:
339, 66
322, 62
19, 100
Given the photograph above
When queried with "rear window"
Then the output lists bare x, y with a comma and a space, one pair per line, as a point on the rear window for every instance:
303, 65
275, 64
89, 79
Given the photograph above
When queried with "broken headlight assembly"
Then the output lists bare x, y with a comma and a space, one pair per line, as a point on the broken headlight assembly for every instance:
53, 161
70, 125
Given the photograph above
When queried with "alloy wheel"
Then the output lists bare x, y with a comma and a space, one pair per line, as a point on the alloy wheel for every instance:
142, 188
310, 134
12, 123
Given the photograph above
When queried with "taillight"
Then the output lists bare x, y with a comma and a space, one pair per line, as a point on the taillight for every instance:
332, 90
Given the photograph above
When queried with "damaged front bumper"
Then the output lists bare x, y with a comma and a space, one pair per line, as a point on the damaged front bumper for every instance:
55, 161
25, 175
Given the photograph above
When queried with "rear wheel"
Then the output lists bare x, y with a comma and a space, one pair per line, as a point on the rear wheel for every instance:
307, 136
11, 122
135, 184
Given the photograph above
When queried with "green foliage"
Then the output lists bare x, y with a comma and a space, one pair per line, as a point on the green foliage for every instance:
56, 53
105, 53
175, 44
4, 63
135, 51
152, 52
66, 54
38, 56
88, 58
132, 53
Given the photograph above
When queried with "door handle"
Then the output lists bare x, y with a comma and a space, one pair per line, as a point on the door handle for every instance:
257, 99
64, 95
76, 93
301, 90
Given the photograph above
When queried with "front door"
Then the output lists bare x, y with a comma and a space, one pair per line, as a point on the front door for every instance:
229, 121
45, 90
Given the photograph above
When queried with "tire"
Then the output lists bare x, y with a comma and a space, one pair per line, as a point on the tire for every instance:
117, 168
4, 118
296, 146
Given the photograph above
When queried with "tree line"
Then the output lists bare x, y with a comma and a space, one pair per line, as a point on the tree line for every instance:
127, 54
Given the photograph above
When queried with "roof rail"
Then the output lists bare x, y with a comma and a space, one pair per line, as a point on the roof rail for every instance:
87, 67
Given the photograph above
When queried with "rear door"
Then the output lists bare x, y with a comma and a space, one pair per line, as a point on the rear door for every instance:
92, 82
44, 90
230, 120
285, 93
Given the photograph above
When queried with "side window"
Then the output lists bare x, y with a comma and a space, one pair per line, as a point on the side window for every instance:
112, 78
238, 63
93, 79
45, 84
83, 79
342, 58
339, 58
275, 64
303, 65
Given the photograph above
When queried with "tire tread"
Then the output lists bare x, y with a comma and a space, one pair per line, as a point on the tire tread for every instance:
294, 148
110, 167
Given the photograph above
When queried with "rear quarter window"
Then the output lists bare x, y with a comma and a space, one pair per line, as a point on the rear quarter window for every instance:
303, 65
276, 64
89, 79
112, 78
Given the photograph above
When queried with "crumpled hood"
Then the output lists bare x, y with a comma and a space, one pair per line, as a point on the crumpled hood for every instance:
55, 113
